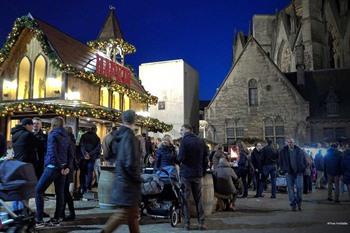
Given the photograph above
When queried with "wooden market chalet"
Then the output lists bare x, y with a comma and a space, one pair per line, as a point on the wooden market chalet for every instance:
45, 72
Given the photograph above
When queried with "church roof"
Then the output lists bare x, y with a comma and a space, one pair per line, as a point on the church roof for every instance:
111, 28
318, 85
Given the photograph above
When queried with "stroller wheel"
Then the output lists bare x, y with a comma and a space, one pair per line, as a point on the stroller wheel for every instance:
174, 217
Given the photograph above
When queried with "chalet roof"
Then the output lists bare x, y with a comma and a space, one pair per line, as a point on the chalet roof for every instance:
317, 87
111, 28
74, 52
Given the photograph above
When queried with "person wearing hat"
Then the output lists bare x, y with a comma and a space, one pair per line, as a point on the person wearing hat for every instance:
24, 142
127, 185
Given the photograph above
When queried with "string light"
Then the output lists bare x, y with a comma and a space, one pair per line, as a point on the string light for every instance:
27, 22
101, 113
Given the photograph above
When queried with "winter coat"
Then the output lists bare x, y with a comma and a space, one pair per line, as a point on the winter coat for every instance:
41, 139
257, 159
285, 164
332, 162
345, 166
319, 161
24, 145
72, 163
58, 148
193, 156
91, 144
216, 157
127, 185
166, 156
2, 145
224, 177
270, 155
243, 162
107, 146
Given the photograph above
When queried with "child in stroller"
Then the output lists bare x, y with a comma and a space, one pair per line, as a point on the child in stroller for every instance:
161, 195
17, 183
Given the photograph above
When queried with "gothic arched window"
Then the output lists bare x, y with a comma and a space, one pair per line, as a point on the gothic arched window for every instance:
24, 79
253, 92
268, 129
39, 77
332, 103
279, 131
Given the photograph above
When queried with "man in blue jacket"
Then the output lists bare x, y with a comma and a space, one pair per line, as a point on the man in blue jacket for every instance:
55, 171
292, 161
332, 167
193, 157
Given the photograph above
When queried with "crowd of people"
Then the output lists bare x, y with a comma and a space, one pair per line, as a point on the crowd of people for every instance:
70, 164
263, 165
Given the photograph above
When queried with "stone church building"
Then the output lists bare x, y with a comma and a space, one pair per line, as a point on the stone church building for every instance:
290, 78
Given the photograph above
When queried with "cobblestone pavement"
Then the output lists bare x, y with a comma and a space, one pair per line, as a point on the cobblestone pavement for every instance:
253, 215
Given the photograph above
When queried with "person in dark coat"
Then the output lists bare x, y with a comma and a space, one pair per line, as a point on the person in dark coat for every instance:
332, 167
257, 162
23, 142
219, 153
127, 183
345, 167
68, 199
319, 165
224, 184
193, 158
41, 146
3, 146
292, 161
270, 156
90, 146
244, 167
56, 169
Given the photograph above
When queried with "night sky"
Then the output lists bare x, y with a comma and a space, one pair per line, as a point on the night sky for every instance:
199, 31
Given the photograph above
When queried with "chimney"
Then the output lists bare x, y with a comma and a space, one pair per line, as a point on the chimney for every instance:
300, 65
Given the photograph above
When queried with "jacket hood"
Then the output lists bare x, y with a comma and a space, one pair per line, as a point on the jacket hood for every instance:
121, 132
190, 135
15, 132
17, 128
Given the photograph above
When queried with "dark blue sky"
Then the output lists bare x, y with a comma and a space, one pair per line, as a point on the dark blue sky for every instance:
198, 31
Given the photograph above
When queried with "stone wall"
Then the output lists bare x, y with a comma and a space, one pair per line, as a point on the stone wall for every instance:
276, 97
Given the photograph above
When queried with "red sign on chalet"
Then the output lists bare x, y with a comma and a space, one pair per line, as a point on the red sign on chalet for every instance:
112, 70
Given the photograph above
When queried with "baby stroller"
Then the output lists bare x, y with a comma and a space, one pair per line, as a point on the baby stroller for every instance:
17, 183
166, 203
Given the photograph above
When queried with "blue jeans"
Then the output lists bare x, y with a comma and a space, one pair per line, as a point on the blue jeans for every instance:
295, 181
89, 167
49, 176
271, 170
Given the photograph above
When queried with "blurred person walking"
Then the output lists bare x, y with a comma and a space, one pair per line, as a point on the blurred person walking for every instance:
127, 183
332, 166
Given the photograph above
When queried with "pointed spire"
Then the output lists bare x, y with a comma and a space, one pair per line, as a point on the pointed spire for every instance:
111, 28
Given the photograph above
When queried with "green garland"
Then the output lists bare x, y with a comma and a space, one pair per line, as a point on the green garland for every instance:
102, 45
100, 113
27, 22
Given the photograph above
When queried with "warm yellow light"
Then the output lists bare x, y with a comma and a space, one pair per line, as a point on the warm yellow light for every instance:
10, 85
72, 95
54, 83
